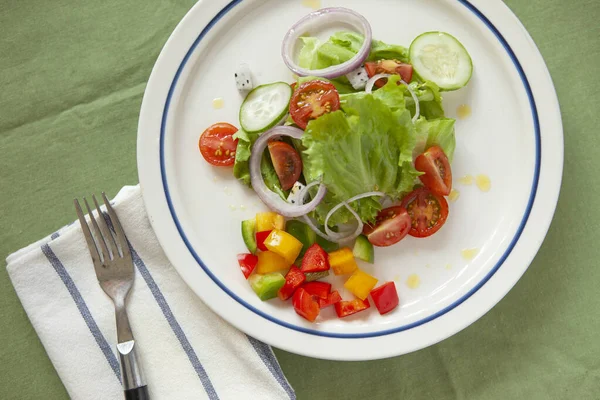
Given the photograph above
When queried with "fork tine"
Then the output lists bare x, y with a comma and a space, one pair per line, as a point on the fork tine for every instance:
108, 237
86, 233
119, 233
97, 231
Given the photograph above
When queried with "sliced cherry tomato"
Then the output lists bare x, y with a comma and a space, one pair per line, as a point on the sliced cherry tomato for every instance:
344, 308
313, 99
332, 298
217, 144
306, 305
287, 163
315, 259
319, 289
260, 240
438, 174
428, 212
385, 297
247, 263
391, 226
392, 67
293, 279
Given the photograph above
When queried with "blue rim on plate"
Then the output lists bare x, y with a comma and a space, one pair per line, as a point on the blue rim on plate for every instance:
512, 244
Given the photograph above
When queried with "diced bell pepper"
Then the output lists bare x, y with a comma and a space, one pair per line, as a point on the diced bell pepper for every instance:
267, 221
284, 244
342, 261
270, 262
360, 284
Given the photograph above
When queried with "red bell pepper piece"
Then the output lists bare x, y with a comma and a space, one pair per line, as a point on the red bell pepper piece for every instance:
260, 239
319, 289
385, 297
306, 304
333, 298
345, 308
247, 263
293, 279
315, 259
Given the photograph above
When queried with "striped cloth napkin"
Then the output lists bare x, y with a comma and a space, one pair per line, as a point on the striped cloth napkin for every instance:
186, 350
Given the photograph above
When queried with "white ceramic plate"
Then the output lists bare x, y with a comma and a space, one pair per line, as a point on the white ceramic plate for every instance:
514, 136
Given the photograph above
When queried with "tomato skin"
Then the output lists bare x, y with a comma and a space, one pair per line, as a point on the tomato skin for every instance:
315, 259
293, 280
217, 145
287, 163
333, 298
438, 173
392, 67
385, 297
260, 240
306, 305
428, 212
391, 226
313, 99
247, 263
345, 308
317, 288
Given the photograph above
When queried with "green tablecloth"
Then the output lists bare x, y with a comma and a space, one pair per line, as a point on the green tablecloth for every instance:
72, 75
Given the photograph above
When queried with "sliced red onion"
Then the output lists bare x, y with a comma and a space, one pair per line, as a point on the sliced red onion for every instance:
375, 78
416, 99
318, 19
338, 237
271, 199
372, 80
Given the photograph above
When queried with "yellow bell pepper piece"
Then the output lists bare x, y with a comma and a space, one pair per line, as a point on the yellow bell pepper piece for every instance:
270, 262
284, 244
360, 284
342, 261
267, 221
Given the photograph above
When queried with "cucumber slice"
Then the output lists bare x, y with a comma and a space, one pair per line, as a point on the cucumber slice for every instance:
249, 234
313, 276
266, 286
265, 106
363, 249
303, 233
439, 57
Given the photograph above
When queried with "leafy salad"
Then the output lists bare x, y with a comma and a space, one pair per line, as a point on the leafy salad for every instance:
359, 155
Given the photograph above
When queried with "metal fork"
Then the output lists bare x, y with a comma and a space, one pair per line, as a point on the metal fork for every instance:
114, 269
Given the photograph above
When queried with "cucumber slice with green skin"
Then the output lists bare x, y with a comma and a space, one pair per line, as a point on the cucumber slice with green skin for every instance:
303, 233
249, 234
266, 286
363, 249
327, 245
265, 106
313, 276
440, 58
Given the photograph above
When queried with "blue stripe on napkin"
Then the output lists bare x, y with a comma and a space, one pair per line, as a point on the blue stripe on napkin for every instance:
83, 309
266, 355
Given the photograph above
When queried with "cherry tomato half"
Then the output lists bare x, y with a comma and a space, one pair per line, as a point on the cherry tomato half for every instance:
392, 225
438, 174
428, 212
392, 67
287, 163
217, 144
313, 99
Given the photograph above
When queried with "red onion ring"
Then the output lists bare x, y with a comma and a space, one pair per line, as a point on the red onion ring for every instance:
318, 18
272, 200
375, 78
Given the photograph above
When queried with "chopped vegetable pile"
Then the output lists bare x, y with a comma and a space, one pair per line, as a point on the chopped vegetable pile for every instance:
362, 125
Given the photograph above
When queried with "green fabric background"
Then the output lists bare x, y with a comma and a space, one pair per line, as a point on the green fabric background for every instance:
72, 75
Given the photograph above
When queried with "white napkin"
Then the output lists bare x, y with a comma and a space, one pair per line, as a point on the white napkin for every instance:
186, 350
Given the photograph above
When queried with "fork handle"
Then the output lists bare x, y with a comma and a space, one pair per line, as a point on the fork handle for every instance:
140, 393
131, 372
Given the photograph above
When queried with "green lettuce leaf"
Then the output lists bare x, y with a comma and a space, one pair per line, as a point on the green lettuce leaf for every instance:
437, 132
366, 146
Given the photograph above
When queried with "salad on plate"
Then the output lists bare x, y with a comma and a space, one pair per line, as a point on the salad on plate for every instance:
353, 155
